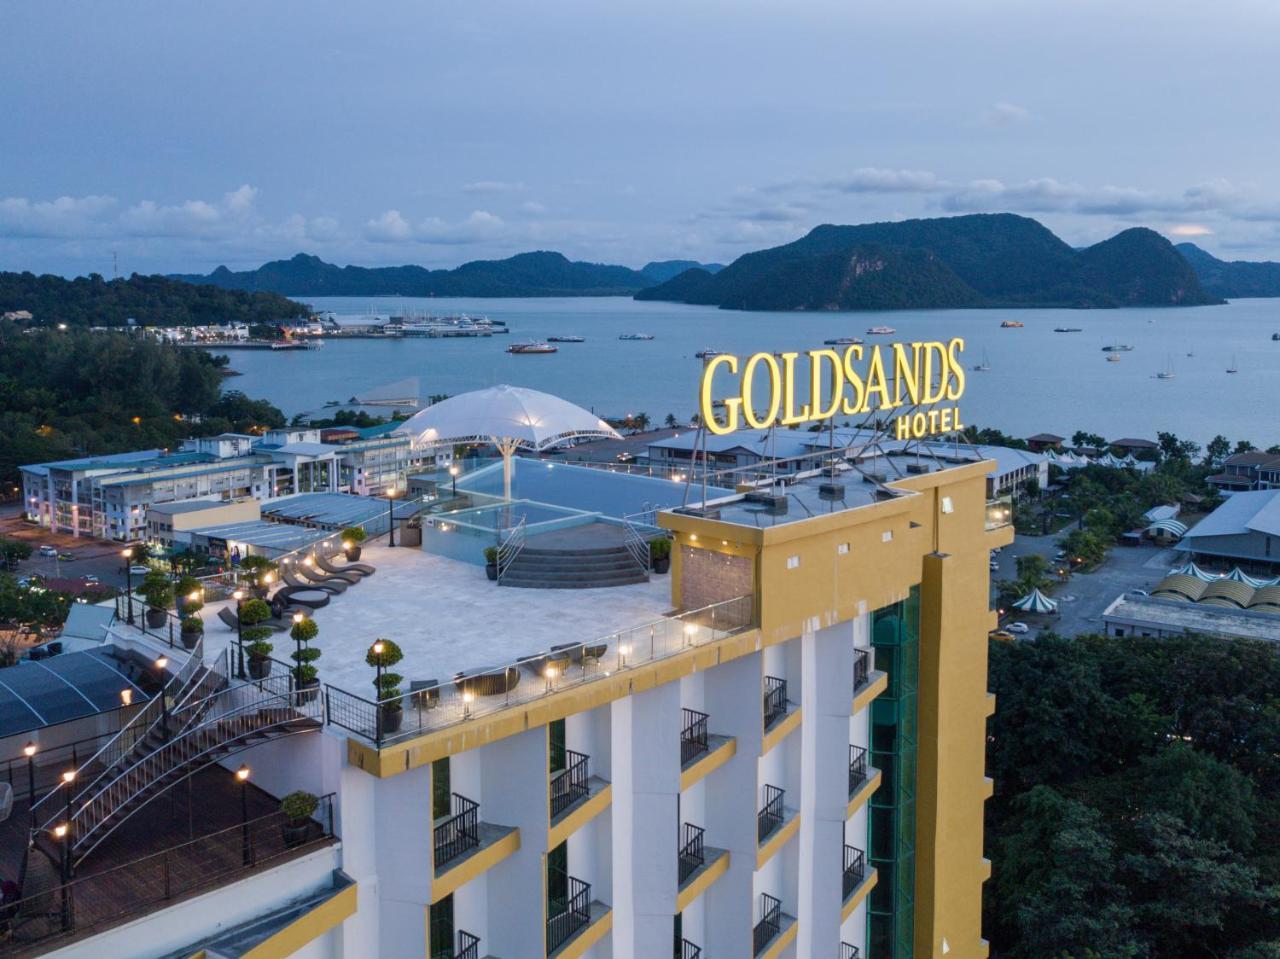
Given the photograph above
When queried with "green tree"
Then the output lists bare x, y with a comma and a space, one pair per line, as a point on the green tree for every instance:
1217, 450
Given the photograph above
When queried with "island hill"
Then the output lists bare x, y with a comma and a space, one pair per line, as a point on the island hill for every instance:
526, 274
986, 260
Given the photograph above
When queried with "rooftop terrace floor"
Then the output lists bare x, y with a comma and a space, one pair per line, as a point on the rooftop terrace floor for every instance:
447, 617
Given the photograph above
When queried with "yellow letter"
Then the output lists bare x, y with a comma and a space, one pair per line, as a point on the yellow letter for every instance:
789, 415
876, 382
730, 407
853, 405
907, 371
775, 391
954, 349
934, 392
816, 409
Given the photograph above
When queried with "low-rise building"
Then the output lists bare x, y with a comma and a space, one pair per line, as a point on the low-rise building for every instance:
1245, 529
171, 524
1242, 472
1136, 615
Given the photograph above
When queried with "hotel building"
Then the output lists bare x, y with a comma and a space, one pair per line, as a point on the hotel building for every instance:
108, 496
774, 750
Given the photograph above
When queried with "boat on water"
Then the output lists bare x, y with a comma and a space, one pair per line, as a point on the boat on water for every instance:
310, 343
984, 366
1118, 348
1233, 368
1275, 336
843, 341
881, 331
570, 338
1068, 329
1166, 373
707, 354
1011, 325
522, 348
1113, 358
635, 336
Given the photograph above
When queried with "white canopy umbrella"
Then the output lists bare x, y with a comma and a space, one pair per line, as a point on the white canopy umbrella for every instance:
509, 417
1036, 602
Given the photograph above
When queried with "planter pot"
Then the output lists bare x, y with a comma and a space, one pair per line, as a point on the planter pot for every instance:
352, 554
308, 691
661, 564
258, 592
189, 639
491, 570
156, 618
259, 668
391, 717
296, 834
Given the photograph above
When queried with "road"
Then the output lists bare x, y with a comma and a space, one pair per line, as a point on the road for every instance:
1083, 599
88, 556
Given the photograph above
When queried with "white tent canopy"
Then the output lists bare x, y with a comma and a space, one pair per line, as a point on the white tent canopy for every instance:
509, 417
1036, 602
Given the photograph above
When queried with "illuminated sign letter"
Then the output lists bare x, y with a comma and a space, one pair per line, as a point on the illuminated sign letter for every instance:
707, 404
775, 391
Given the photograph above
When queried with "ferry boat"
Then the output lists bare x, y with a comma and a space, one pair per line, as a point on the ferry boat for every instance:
1011, 325
1068, 329
309, 343
1117, 348
635, 336
843, 341
568, 338
1275, 336
532, 348
881, 331
707, 354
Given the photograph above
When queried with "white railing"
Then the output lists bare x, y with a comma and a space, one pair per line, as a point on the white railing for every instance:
510, 546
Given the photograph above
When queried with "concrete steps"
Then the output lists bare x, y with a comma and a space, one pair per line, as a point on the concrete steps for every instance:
588, 568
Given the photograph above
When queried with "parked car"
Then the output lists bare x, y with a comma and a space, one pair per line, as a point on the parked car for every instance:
65, 557
994, 566
1017, 627
139, 570
89, 578
1003, 635
48, 551
1059, 556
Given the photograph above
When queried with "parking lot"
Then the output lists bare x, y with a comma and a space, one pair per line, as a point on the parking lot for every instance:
1084, 597
86, 557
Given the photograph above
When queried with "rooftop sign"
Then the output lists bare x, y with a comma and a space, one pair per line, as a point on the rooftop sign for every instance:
790, 389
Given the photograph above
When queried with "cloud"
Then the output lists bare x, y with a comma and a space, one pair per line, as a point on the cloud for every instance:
492, 186
66, 217
391, 227
533, 208
1189, 229
878, 180
1046, 195
1004, 114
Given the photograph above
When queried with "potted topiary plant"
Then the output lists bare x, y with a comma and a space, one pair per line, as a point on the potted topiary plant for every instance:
157, 591
382, 655
305, 680
491, 563
188, 592
352, 537
256, 568
660, 554
192, 629
298, 808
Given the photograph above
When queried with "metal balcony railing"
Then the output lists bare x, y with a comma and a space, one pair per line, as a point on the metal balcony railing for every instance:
693, 736
775, 700
861, 668
848, 952
999, 512
692, 855
855, 868
770, 923
468, 946
687, 950
569, 784
460, 832
857, 768
575, 914
770, 816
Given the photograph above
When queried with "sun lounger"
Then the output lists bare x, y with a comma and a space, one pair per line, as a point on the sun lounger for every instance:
310, 597
320, 576
331, 586
329, 566
489, 681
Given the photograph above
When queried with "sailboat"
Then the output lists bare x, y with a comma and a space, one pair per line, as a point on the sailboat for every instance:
984, 366
1166, 373
1233, 368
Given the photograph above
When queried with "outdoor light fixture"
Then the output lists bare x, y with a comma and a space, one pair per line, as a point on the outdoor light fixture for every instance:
242, 773
126, 697
266, 577
550, 673
194, 595
693, 537
306, 561
162, 662
467, 698
29, 750
238, 595
69, 776
690, 629
623, 652
378, 648
346, 544
297, 618
60, 830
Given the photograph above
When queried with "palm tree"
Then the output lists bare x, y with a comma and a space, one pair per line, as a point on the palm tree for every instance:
671, 421
640, 422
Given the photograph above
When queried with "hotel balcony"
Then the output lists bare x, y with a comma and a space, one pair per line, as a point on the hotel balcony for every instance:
575, 918
775, 701
857, 768
861, 669
771, 815
687, 950
701, 751
999, 513
849, 952
774, 930
698, 865
468, 948
855, 870
462, 839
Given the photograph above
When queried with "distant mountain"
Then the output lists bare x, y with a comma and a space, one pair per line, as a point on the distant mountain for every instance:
526, 274
150, 300
662, 270
1232, 279
984, 260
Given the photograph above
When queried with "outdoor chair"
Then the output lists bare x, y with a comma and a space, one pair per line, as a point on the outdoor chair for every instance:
490, 681
327, 564
332, 587
317, 575
227, 616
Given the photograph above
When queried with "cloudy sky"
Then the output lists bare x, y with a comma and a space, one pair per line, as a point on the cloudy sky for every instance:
183, 135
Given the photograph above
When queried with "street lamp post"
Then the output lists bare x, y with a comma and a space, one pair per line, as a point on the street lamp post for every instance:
29, 750
391, 517
239, 598
128, 574
377, 648
453, 476
297, 659
246, 852
62, 832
